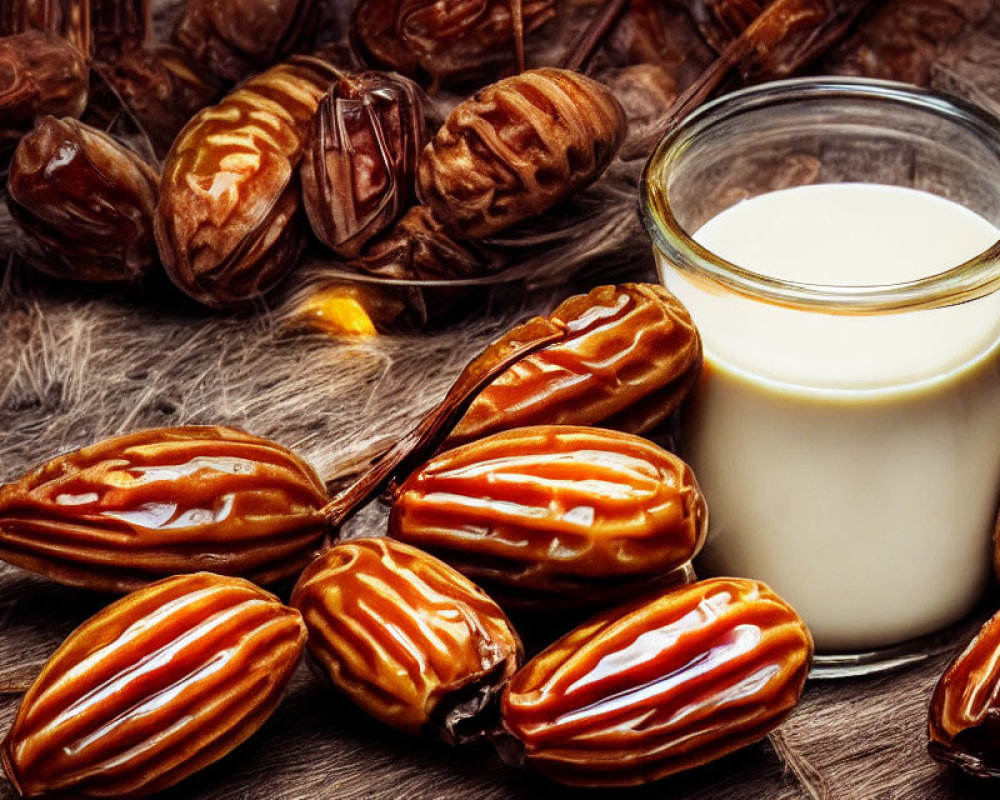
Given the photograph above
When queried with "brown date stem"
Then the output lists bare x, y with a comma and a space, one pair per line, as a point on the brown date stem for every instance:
415, 446
583, 48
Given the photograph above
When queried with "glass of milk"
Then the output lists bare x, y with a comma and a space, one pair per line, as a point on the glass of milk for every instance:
836, 242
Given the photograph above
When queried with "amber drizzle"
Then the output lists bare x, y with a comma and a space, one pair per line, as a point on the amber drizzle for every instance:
660, 685
156, 686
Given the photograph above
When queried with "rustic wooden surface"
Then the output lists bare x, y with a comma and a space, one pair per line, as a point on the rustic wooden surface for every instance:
76, 365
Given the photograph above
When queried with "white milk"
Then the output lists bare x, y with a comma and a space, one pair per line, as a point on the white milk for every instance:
852, 463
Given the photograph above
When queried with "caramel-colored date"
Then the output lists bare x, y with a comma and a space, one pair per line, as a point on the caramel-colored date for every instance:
963, 724
70, 20
660, 685
234, 38
85, 200
517, 148
228, 222
126, 511
40, 73
555, 510
631, 357
153, 688
407, 638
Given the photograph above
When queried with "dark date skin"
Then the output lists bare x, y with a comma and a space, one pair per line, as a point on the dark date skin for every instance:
70, 20
85, 201
358, 170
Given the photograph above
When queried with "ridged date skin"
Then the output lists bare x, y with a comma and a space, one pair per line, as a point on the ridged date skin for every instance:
40, 73
154, 688
517, 148
358, 170
85, 200
632, 356
162, 86
542, 509
234, 38
128, 510
119, 26
418, 247
70, 20
660, 685
964, 718
407, 638
454, 41
227, 224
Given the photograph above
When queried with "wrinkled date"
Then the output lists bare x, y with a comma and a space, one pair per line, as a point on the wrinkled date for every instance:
517, 148
237, 37
85, 200
39, 74
162, 86
964, 720
358, 171
564, 511
660, 685
631, 356
69, 20
407, 638
418, 247
119, 26
153, 688
228, 223
451, 42
125, 511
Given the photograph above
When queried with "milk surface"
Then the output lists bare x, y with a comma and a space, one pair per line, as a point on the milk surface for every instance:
852, 463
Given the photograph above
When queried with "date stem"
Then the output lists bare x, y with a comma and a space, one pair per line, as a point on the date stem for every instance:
583, 48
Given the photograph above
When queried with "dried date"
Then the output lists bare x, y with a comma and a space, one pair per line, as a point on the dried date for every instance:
128, 510
517, 148
964, 717
70, 20
452, 42
235, 38
153, 688
161, 86
358, 170
660, 685
228, 224
407, 638
40, 73
631, 356
119, 26
85, 200
557, 512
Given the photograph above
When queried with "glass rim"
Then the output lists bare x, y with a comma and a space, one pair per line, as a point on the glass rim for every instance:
972, 279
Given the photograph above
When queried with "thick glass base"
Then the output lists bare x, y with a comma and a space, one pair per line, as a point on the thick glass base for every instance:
830, 666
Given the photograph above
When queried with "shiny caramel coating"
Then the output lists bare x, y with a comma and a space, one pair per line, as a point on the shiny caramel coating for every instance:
407, 638
359, 167
228, 222
448, 41
419, 248
163, 88
541, 509
155, 687
86, 202
237, 37
517, 148
963, 727
660, 685
129, 510
40, 73
631, 358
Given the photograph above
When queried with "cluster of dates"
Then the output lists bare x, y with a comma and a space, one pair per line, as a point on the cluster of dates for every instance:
554, 500
301, 143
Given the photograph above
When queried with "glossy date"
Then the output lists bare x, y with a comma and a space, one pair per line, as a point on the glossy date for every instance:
153, 688
554, 514
517, 148
128, 510
660, 685
631, 355
86, 202
407, 638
